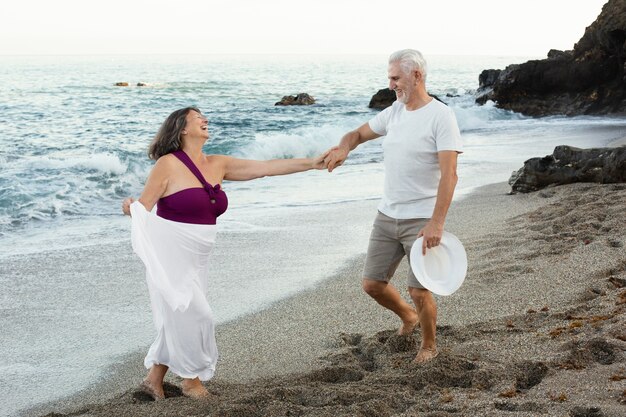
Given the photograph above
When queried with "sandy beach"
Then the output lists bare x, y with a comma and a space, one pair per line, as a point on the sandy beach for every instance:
538, 328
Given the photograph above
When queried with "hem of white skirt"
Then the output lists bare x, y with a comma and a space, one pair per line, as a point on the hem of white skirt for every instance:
204, 375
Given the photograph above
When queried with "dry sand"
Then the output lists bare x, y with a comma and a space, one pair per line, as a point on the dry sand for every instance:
538, 328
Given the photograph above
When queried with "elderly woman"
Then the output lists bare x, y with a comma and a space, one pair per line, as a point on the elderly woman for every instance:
174, 244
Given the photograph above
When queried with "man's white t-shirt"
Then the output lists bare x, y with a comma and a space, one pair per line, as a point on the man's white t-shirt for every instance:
412, 140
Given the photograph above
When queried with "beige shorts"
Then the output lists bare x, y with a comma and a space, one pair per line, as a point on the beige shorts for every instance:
390, 241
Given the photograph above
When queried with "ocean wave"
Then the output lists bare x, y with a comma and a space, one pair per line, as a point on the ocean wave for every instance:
40, 188
471, 116
298, 143
105, 163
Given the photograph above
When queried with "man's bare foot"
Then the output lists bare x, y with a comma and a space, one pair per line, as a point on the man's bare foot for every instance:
409, 326
426, 354
156, 392
194, 389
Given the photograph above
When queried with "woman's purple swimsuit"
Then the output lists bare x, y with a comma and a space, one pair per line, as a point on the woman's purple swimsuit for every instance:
193, 205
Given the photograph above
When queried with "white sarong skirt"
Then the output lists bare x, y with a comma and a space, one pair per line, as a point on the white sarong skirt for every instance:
176, 257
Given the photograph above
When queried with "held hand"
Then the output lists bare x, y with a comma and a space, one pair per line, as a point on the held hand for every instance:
319, 162
432, 233
336, 157
126, 205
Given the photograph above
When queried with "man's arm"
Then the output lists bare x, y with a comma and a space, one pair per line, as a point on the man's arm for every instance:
433, 230
349, 142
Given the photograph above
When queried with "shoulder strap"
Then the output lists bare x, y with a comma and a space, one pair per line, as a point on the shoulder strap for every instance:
185, 159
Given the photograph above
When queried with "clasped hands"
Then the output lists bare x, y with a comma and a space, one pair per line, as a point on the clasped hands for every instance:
331, 159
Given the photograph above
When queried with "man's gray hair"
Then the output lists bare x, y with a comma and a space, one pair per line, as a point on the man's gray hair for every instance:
410, 60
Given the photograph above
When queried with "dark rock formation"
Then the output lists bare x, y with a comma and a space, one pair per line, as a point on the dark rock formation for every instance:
382, 99
385, 98
302, 99
487, 78
586, 80
567, 165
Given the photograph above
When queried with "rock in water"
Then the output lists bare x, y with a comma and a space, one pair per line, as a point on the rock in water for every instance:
382, 99
302, 99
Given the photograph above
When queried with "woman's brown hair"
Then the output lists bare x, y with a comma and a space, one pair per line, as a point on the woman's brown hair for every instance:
168, 139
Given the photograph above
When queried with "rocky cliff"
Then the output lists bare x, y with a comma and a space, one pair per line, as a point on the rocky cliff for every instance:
590, 79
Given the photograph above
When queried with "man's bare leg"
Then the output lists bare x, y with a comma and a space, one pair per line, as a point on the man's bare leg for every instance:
388, 296
427, 312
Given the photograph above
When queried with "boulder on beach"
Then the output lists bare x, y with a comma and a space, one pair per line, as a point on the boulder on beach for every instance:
568, 165
590, 79
301, 99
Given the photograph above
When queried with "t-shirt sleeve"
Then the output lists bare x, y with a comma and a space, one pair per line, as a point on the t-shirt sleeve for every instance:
379, 123
448, 135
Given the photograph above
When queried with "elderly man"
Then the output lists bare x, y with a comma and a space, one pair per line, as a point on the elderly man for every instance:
422, 141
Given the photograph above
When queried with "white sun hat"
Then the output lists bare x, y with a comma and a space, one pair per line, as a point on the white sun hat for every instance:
442, 270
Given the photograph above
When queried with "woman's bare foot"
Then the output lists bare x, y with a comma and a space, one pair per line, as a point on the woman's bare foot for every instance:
193, 388
156, 392
408, 326
426, 354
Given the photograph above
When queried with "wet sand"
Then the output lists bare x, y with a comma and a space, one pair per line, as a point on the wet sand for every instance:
538, 328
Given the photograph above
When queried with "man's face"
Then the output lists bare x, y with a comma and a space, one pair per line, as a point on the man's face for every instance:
402, 83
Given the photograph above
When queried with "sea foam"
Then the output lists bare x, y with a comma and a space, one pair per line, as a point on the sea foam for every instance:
105, 163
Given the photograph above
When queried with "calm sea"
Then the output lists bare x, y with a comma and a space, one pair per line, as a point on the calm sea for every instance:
73, 145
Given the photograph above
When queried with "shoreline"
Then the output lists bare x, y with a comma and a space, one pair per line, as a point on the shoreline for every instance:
296, 335
243, 358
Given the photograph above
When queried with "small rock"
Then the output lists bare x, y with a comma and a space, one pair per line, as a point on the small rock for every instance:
586, 412
302, 99
121, 84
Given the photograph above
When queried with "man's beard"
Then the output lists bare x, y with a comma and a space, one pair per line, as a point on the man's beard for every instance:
402, 98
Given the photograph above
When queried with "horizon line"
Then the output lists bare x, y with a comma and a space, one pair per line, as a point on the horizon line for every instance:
252, 54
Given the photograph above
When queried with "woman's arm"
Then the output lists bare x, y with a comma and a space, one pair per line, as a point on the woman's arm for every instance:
155, 187
245, 169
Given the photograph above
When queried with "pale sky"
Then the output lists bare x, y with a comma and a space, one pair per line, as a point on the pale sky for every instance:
473, 27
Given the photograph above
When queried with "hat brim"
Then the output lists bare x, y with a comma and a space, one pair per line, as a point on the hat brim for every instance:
442, 270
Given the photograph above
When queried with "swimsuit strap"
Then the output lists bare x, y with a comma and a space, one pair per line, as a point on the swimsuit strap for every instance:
185, 159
